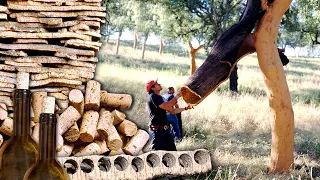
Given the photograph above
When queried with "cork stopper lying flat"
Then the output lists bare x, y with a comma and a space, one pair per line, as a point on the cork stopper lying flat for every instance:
48, 105
22, 80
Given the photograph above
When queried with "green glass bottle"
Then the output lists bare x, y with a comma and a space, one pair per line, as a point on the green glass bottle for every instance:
20, 151
47, 167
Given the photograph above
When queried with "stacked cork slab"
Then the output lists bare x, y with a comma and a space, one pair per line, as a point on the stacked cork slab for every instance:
54, 40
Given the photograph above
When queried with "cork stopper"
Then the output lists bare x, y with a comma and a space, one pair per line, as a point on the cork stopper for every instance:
22, 80
48, 105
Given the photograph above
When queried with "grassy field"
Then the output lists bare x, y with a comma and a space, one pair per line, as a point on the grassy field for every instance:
234, 128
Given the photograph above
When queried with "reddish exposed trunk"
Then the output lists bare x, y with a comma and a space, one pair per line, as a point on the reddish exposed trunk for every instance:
282, 124
192, 55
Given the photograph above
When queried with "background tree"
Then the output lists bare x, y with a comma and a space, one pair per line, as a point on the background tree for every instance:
145, 21
119, 18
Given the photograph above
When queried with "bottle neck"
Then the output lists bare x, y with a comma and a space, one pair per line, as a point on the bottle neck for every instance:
47, 139
21, 109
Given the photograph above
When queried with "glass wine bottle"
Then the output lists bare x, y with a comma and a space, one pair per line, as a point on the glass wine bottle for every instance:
20, 151
47, 167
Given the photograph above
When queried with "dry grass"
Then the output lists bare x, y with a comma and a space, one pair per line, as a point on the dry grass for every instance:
235, 129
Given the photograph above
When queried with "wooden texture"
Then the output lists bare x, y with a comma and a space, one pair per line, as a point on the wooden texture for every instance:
282, 123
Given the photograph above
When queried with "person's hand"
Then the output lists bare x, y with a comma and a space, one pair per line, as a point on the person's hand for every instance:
179, 94
190, 106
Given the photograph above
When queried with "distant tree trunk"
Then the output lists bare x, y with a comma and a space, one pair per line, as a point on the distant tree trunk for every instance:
118, 42
192, 55
144, 45
135, 40
233, 80
161, 46
282, 125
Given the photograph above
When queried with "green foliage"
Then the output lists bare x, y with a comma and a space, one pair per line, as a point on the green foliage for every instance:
317, 150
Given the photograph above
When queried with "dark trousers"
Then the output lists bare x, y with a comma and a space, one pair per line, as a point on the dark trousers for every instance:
180, 123
162, 140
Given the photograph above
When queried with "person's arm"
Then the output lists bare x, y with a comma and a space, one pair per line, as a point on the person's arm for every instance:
168, 106
179, 110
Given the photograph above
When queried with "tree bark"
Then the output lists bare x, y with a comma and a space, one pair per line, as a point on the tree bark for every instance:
144, 45
135, 40
282, 124
118, 42
161, 46
233, 80
230, 47
192, 55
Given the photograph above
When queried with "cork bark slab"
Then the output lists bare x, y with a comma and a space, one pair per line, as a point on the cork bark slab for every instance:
48, 21
53, 35
30, 41
82, 64
11, 24
85, 69
80, 27
4, 9
6, 89
42, 76
4, 67
59, 96
59, 14
82, 44
54, 80
14, 53
24, 64
83, 3
47, 47
5, 94
22, 29
86, 18
50, 89
3, 16
37, 59
8, 74
89, 33
75, 57
55, 8
6, 79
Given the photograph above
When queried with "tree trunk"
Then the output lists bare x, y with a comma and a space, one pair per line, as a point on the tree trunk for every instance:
161, 46
233, 80
118, 42
230, 47
135, 40
192, 55
144, 45
282, 124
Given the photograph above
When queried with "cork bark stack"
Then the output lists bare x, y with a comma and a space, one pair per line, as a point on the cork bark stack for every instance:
55, 42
